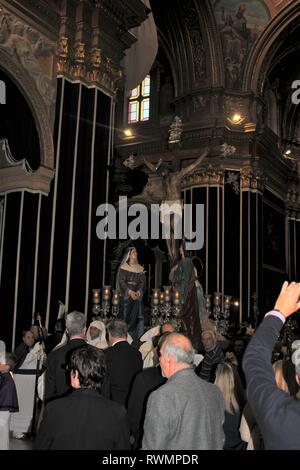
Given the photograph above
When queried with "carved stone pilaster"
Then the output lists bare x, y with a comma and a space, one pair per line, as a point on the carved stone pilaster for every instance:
252, 180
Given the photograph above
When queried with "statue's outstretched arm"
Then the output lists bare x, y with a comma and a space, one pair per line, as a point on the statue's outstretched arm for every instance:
150, 165
193, 166
223, 150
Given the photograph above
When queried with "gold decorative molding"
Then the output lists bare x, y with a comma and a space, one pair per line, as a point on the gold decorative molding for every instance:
209, 176
79, 62
252, 179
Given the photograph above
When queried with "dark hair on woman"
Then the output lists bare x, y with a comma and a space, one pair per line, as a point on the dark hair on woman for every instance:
289, 372
90, 364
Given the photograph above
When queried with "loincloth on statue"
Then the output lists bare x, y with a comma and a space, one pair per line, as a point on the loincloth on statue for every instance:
167, 208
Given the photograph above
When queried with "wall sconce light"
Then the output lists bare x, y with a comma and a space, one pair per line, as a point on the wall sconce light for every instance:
288, 154
128, 133
236, 119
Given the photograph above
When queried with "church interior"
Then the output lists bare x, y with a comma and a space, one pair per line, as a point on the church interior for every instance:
100, 100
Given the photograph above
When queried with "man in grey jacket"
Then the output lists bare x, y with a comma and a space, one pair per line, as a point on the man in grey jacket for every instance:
186, 413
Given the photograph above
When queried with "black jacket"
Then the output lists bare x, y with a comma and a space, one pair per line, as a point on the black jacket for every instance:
57, 383
21, 352
123, 363
276, 412
84, 420
144, 383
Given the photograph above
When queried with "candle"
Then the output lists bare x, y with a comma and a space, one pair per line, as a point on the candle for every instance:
176, 297
106, 292
155, 296
167, 293
116, 298
156, 293
96, 296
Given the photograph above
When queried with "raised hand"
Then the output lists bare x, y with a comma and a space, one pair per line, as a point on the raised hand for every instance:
288, 300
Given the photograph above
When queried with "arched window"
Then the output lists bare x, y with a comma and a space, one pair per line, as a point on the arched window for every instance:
139, 102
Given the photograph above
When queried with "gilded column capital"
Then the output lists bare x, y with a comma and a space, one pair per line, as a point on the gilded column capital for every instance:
78, 61
252, 179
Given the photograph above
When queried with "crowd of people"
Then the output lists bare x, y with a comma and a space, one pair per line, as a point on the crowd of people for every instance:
98, 389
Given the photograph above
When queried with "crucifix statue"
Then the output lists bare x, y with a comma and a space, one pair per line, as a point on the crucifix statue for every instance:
171, 182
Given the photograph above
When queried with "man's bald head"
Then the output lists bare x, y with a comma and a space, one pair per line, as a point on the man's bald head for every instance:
180, 347
167, 328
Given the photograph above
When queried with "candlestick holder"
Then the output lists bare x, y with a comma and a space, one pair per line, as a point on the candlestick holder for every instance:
227, 303
167, 305
96, 304
105, 307
155, 307
115, 303
176, 320
208, 304
161, 307
217, 303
